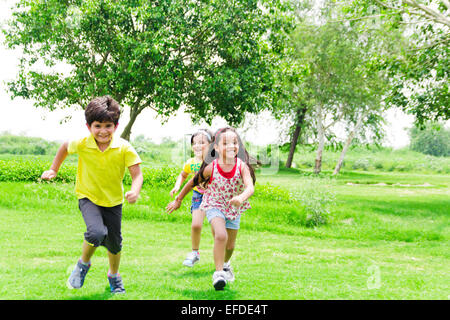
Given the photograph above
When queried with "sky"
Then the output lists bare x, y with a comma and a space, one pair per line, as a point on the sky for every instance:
19, 116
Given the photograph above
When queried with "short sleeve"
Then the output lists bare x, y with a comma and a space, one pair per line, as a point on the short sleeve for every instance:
131, 156
187, 167
73, 146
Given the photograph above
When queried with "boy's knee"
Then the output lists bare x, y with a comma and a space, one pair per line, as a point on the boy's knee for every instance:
96, 236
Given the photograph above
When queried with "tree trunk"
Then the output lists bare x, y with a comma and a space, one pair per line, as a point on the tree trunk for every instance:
134, 112
347, 144
301, 112
321, 137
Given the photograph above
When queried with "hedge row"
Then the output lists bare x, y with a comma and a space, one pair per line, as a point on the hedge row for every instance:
31, 170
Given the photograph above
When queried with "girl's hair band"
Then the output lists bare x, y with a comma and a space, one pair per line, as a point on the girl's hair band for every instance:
204, 132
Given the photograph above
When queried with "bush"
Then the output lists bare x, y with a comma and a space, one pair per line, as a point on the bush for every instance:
361, 164
315, 198
31, 170
433, 140
10, 144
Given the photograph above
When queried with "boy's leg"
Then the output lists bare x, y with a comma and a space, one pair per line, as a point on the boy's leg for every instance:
114, 262
87, 252
112, 216
114, 278
96, 230
93, 237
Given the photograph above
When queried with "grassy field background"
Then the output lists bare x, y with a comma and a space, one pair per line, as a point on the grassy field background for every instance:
380, 242
379, 230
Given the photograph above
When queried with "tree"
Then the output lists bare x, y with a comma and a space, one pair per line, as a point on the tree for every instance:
215, 57
419, 65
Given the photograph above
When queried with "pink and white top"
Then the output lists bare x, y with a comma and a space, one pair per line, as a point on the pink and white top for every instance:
223, 186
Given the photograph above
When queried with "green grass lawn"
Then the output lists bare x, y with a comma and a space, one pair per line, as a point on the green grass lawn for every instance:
381, 242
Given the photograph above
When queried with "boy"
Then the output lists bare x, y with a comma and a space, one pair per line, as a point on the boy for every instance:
102, 160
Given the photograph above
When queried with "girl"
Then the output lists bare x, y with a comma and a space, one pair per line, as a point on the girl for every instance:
229, 181
199, 142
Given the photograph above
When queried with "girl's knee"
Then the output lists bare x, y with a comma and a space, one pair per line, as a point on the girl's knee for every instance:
220, 236
196, 227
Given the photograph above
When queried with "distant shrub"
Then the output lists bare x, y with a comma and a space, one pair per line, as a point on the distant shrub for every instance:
22, 145
361, 164
433, 140
378, 165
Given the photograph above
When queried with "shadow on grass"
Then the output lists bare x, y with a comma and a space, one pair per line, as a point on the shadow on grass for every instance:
211, 294
106, 295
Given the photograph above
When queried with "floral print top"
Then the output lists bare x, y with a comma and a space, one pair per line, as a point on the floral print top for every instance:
223, 186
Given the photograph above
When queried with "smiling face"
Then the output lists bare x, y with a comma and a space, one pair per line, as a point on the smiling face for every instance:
200, 145
227, 147
102, 131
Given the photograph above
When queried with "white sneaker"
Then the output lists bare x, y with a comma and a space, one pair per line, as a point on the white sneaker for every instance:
191, 259
229, 275
219, 280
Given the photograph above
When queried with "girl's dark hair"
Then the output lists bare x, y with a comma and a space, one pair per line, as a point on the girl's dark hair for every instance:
207, 133
102, 109
199, 179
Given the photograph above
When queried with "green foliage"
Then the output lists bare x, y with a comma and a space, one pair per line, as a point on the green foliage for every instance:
373, 158
314, 197
433, 140
213, 57
13, 144
417, 61
31, 170
155, 153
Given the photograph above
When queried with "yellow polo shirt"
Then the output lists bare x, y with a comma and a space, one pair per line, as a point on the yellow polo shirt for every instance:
100, 174
193, 166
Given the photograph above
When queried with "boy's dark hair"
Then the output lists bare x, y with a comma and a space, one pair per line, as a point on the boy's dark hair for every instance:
102, 109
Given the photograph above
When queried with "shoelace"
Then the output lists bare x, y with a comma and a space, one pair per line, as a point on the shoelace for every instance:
116, 283
83, 271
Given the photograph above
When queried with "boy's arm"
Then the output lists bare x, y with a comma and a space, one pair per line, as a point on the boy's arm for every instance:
136, 183
61, 155
249, 188
174, 205
181, 177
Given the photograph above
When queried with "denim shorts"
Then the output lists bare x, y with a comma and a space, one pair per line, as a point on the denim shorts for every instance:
229, 224
196, 200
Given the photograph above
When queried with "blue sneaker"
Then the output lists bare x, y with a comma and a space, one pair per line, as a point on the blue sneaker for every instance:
78, 275
116, 284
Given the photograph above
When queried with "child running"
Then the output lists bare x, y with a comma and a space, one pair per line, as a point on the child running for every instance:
229, 181
200, 143
102, 160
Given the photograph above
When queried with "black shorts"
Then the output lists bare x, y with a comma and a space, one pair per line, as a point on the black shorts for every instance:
103, 225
